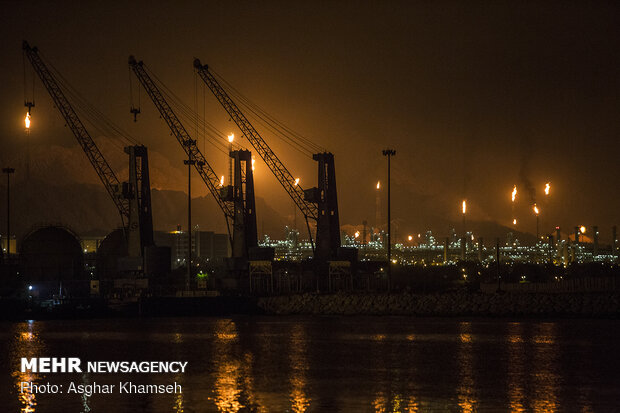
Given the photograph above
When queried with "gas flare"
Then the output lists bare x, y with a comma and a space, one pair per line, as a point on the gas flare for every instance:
231, 137
378, 184
222, 180
536, 210
582, 229
296, 181
514, 193
464, 206
547, 188
27, 120
514, 221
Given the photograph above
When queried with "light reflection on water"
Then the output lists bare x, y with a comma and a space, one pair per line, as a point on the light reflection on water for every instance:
383, 364
516, 367
299, 367
27, 343
228, 368
544, 377
466, 391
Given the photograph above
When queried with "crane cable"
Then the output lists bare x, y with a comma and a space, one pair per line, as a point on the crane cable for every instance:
215, 137
26, 101
294, 138
131, 105
273, 128
94, 117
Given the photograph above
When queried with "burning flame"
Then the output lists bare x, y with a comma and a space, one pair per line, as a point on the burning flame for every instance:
464, 206
582, 229
514, 221
410, 237
27, 120
514, 193
536, 210
357, 234
547, 188
222, 180
378, 184
296, 181
253, 161
231, 137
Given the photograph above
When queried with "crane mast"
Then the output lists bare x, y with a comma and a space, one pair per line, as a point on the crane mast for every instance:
106, 175
319, 203
180, 133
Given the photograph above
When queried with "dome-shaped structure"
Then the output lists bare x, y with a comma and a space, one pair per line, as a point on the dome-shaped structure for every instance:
113, 247
51, 253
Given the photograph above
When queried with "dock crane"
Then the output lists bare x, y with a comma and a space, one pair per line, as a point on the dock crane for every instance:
236, 201
319, 203
132, 198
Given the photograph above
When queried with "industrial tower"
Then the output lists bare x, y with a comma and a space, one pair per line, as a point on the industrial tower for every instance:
237, 200
319, 204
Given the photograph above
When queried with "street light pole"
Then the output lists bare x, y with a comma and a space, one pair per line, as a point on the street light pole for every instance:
8, 172
389, 153
189, 162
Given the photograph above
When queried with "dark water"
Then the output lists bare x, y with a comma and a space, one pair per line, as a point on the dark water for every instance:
374, 364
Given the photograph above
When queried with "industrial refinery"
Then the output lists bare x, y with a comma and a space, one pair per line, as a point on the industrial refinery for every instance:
52, 265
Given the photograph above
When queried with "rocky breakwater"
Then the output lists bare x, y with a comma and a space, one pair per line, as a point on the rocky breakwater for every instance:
458, 303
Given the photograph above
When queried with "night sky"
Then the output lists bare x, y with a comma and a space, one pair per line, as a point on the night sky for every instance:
474, 97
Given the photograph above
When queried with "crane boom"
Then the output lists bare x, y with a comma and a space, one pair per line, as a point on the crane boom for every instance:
106, 175
276, 166
178, 130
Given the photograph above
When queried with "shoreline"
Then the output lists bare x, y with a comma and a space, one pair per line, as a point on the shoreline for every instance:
447, 304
